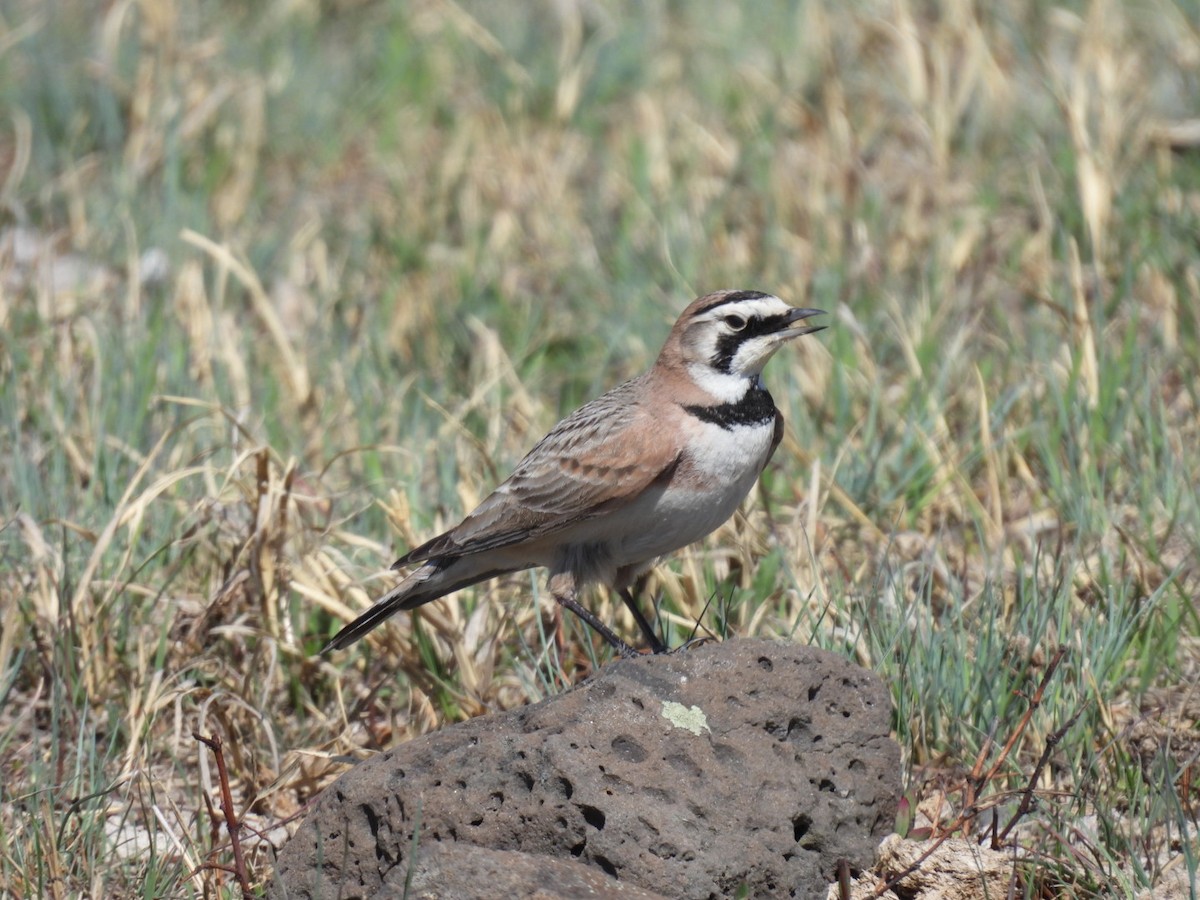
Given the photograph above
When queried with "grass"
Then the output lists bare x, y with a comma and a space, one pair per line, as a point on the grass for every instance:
287, 290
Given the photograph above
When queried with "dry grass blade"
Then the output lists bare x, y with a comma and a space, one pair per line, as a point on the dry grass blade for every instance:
295, 371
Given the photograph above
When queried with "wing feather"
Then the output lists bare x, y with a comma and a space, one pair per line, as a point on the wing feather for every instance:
593, 462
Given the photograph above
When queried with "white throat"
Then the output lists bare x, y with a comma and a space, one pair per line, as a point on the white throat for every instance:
723, 386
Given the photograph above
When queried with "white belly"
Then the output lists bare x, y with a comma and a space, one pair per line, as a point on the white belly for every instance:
725, 464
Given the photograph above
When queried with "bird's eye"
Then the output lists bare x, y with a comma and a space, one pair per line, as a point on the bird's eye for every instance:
736, 323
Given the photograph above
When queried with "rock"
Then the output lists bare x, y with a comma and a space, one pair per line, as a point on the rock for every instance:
743, 766
448, 871
956, 869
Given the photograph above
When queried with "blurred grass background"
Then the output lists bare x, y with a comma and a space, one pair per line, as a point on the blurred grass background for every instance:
286, 287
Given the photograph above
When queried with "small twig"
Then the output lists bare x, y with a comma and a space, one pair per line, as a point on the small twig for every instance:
976, 780
1012, 878
968, 813
843, 871
1026, 803
979, 779
231, 823
1035, 703
214, 827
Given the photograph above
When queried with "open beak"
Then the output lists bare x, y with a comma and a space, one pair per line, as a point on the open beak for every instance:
799, 315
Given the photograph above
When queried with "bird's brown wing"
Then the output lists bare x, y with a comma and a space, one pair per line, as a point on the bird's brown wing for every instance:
595, 461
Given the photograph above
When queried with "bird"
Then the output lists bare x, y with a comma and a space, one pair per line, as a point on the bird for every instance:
651, 466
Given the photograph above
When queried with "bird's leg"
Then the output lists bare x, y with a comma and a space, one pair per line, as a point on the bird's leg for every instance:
652, 638
564, 595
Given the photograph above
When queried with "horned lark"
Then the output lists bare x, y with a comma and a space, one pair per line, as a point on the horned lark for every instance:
653, 465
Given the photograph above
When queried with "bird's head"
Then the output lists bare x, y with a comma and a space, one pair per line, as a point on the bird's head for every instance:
732, 334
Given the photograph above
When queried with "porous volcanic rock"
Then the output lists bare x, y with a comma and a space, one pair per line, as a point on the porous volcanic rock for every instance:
449, 871
746, 765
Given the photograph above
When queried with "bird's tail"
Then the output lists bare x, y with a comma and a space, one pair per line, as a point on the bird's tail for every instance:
434, 579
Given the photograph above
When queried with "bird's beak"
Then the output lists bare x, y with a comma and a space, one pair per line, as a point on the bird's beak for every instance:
799, 315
